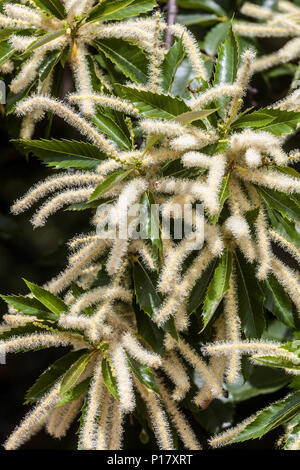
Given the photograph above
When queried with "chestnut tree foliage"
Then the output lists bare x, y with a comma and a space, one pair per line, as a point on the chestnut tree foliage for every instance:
164, 329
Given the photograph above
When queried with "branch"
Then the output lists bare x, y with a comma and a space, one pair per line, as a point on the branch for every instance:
172, 12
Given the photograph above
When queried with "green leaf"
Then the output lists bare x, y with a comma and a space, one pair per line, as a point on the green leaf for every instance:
51, 301
284, 227
261, 381
55, 7
284, 203
49, 62
277, 361
75, 392
81, 206
215, 417
114, 178
256, 119
215, 37
275, 121
170, 64
143, 373
206, 5
197, 294
41, 41
276, 414
148, 330
28, 306
20, 331
13, 98
250, 299
112, 129
223, 195
150, 225
217, 288
278, 302
147, 296
199, 19
226, 68
6, 51
128, 58
120, 9
72, 375
50, 376
251, 217
153, 105
63, 153
108, 378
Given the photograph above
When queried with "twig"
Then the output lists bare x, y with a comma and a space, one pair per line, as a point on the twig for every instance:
172, 12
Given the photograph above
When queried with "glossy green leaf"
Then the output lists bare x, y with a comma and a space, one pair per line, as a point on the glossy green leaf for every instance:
6, 51
108, 378
224, 194
226, 68
201, 19
111, 128
128, 58
49, 62
63, 153
149, 331
74, 372
143, 373
284, 227
197, 294
276, 414
51, 301
261, 381
29, 306
147, 296
19, 331
81, 206
50, 376
250, 299
114, 178
217, 288
205, 5
275, 121
45, 39
75, 393
55, 7
278, 302
285, 204
215, 37
120, 9
153, 105
171, 62
150, 224
277, 361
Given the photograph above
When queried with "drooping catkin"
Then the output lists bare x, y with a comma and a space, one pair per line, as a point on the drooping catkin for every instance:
158, 417
34, 420
179, 421
123, 377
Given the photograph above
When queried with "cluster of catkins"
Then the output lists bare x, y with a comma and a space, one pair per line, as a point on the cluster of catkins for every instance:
250, 157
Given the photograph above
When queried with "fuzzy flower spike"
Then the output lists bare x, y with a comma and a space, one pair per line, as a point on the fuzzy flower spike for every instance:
65, 32
283, 23
153, 314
